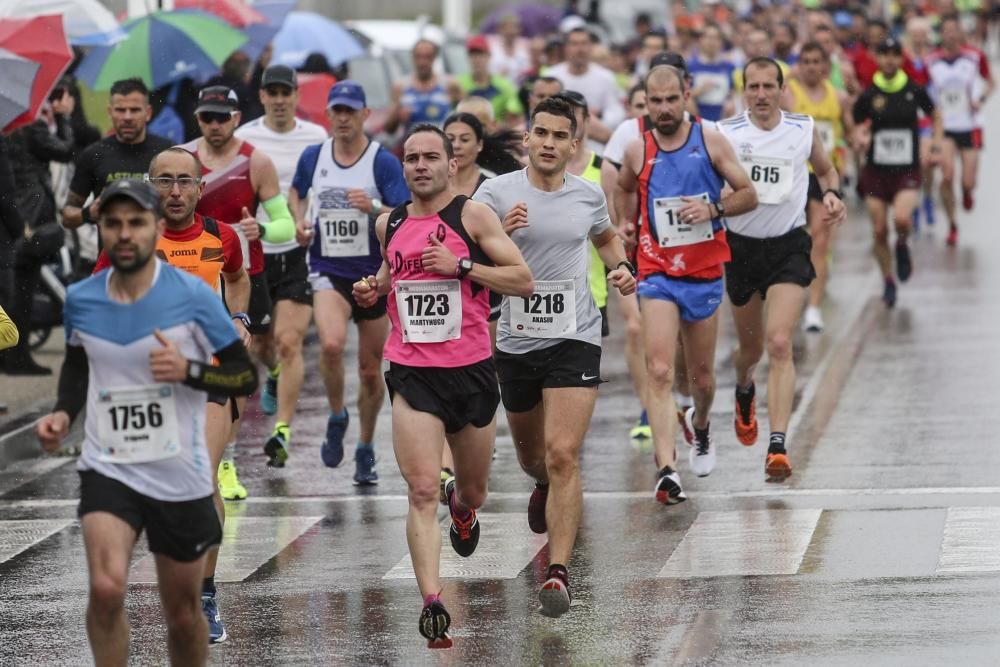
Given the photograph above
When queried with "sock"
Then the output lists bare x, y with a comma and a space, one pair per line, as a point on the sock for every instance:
557, 570
683, 402
451, 473
230, 453
461, 515
208, 585
777, 445
284, 429
274, 372
701, 434
665, 470
366, 445
643, 419
433, 597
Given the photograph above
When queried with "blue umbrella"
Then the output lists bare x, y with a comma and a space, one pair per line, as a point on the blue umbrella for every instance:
305, 32
261, 34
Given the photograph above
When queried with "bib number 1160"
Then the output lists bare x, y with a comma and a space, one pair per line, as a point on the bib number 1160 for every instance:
335, 228
544, 304
425, 305
136, 416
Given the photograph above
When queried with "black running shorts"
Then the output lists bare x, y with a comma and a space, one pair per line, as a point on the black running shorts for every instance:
457, 396
757, 264
288, 276
259, 309
345, 288
571, 363
182, 531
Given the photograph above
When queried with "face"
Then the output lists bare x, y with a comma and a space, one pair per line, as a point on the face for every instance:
651, 45
550, 143
757, 45
637, 105
128, 233
578, 48
510, 28
951, 35
710, 42
129, 115
479, 61
919, 38
218, 127
812, 67
889, 62
426, 166
464, 142
762, 92
542, 90
424, 54
346, 124
783, 39
665, 103
826, 40
279, 103
874, 34
175, 176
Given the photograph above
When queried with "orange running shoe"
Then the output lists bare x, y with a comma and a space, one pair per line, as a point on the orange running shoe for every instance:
746, 424
777, 467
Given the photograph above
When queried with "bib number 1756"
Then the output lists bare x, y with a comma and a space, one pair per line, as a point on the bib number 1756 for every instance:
136, 416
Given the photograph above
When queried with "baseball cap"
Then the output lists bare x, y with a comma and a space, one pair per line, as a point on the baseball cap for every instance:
574, 99
842, 19
279, 75
217, 99
141, 192
671, 58
347, 93
477, 43
889, 45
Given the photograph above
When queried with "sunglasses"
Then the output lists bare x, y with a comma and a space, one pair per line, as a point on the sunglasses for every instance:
209, 117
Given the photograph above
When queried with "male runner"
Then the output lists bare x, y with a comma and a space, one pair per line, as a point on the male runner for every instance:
679, 168
440, 254
888, 131
346, 179
282, 137
771, 248
236, 179
425, 97
139, 341
549, 344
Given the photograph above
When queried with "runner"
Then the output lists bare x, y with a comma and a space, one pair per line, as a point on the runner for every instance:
440, 254
888, 131
139, 341
812, 94
960, 83
236, 179
548, 345
425, 97
282, 137
916, 49
713, 75
678, 169
770, 249
349, 177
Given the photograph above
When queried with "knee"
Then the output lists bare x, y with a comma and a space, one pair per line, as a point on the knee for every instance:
472, 494
332, 350
107, 594
289, 344
560, 461
702, 380
659, 372
633, 330
183, 617
881, 235
370, 373
779, 346
423, 494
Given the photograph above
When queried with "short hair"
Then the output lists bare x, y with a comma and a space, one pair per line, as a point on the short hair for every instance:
787, 25
177, 150
476, 102
949, 18
547, 79
129, 86
424, 40
580, 29
660, 70
764, 61
429, 128
468, 119
556, 107
635, 90
813, 45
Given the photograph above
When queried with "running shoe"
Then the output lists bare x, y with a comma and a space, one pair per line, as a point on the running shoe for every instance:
536, 509
688, 433
446, 474
812, 320
464, 533
434, 623
745, 420
929, 209
952, 239
702, 455
364, 467
777, 467
968, 203
904, 263
554, 595
216, 630
276, 447
641, 430
332, 450
229, 483
668, 487
269, 395
889, 293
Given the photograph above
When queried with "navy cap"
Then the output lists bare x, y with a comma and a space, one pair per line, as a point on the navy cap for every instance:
889, 45
347, 93
141, 192
671, 58
217, 99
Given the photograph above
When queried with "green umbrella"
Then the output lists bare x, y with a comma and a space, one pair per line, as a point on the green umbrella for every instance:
162, 48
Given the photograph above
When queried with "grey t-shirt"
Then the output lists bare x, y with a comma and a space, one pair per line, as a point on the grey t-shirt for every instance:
555, 247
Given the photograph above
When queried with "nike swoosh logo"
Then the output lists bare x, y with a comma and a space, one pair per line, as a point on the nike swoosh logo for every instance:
586, 377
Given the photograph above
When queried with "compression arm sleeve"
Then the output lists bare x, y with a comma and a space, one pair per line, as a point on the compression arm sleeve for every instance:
73, 379
234, 376
282, 226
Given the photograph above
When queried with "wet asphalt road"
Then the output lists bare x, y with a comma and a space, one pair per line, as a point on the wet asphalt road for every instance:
883, 548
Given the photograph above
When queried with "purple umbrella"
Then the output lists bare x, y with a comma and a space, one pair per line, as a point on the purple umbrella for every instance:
535, 19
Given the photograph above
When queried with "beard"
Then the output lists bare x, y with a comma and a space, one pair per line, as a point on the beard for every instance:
668, 127
133, 265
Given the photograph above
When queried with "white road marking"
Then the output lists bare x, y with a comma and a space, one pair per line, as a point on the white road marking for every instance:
971, 541
20, 535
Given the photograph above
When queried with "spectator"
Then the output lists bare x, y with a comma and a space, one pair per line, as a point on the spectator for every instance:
713, 75
509, 54
480, 83
235, 74
652, 43
785, 42
424, 96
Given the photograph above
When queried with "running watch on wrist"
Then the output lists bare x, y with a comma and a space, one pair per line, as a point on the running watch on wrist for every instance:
628, 267
464, 267
720, 208
242, 317
836, 193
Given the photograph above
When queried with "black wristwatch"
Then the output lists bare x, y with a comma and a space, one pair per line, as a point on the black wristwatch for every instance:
720, 207
836, 193
464, 267
242, 317
628, 266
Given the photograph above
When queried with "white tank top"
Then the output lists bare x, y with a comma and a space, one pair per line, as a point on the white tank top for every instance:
954, 84
776, 161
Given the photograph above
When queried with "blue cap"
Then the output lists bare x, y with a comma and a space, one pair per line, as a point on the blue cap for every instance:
842, 19
346, 93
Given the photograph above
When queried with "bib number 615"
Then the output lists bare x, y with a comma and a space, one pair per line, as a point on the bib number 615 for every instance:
759, 174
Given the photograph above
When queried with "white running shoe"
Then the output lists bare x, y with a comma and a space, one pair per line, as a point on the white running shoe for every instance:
812, 320
702, 455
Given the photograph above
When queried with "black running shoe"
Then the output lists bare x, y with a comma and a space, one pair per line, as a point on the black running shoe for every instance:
434, 623
464, 534
889, 294
668, 487
904, 264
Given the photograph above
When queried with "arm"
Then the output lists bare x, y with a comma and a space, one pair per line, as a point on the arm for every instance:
238, 298
626, 199
609, 177
369, 289
828, 179
743, 197
234, 376
397, 115
511, 275
72, 396
8, 332
264, 178
58, 147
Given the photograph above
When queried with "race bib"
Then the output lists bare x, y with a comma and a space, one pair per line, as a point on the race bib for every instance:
343, 232
137, 424
955, 102
893, 147
826, 135
771, 176
548, 313
430, 311
716, 87
670, 231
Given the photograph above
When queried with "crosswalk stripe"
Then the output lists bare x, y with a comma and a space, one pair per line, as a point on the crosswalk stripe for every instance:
971, 541
18, 535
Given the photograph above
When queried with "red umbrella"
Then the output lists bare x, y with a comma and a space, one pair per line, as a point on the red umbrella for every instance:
313, 91
234, 12
41, 39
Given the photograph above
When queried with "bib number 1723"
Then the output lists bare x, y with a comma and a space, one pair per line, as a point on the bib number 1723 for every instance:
427, 305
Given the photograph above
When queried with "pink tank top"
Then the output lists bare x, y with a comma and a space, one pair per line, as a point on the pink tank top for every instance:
437, 321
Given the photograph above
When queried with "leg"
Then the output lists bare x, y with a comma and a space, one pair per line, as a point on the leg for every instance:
371, 390
948, 181
180, 593
635, 357
661, 321
970, 173
331, 312
699, 347
903, 205
527, 429
218, 421
682, 380
784, 306
109, 541
749, 321
878, 211
472, 450
263, 346
821, 237
291, 319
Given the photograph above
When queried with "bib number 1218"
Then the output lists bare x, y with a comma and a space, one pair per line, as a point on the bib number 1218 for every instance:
544, 304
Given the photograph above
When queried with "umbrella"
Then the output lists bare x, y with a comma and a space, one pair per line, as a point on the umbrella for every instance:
305, 32
41, 40
234, 12
535, 19
261, 34
17, 76
87, 22
313, 91
162, 48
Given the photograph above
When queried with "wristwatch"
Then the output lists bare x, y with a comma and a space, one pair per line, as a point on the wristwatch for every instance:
720, 208
464, 267
242, 317
628, 267
836, 193
376, 206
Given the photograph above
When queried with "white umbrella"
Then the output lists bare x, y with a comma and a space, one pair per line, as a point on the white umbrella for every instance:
87, 22
17, 76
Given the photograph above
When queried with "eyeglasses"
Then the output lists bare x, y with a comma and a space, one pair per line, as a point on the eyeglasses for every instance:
209, 117
166, 183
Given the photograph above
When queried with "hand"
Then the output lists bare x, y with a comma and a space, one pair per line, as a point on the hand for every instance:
365, 291
436, 258
516, 218
167, 362
245, 336
248, 225
861, 139
627, 232
95, 209
623, 281
695, 211
304, 233
836, 212
360, 200
51, 429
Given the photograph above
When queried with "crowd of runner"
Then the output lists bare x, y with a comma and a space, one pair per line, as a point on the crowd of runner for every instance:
476, 259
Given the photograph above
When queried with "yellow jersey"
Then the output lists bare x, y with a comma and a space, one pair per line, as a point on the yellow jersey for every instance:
827, 113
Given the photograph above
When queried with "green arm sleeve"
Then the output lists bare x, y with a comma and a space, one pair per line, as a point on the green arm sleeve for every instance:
282, 227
